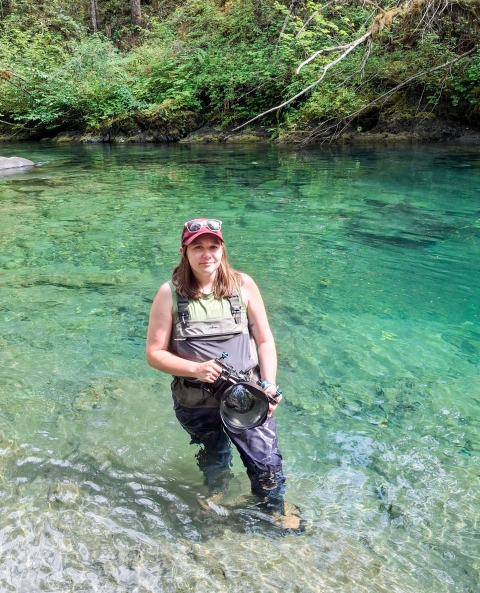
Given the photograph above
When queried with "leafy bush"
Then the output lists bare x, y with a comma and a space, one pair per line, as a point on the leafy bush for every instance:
332, 103
226, 60
79, 85
465, 86
217, 63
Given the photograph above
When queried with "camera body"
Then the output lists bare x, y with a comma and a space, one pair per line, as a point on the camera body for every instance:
244, 403
229, 377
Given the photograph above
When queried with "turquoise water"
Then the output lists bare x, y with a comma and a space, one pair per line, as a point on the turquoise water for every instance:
368, 261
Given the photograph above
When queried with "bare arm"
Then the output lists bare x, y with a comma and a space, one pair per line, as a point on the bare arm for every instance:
158, 337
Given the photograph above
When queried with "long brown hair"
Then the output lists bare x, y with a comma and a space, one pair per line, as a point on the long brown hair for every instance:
226, 280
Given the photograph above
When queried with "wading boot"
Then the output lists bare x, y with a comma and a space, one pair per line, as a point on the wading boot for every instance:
289, 519
212, 504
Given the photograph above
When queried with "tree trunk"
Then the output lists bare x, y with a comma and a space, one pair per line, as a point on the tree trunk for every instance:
94, 15
136, 11
6, 7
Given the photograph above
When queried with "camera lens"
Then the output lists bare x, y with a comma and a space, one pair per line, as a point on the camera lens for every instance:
240, 399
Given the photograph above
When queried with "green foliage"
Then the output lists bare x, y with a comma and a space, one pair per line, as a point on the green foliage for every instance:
466, 86
332, 103
223, 59
81, 85
63, 18
215, 65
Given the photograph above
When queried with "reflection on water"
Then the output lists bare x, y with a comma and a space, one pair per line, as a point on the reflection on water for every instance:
368, 262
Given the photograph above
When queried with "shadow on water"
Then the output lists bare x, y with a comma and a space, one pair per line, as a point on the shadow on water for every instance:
410, 227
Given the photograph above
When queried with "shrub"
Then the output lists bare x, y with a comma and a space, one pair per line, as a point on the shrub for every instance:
77, 85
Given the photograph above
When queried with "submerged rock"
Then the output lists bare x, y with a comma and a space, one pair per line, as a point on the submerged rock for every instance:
14, 162
64, 493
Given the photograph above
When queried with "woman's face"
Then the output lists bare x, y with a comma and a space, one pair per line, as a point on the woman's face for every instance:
205, 255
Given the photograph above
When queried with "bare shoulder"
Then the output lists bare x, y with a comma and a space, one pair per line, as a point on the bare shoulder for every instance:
247, 280
165, 289
163, 300
250, 291
164, 292
161, 319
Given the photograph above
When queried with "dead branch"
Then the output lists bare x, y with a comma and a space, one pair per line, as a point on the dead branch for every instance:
9, 123
285, 22
414, 77
350, 48
383, 19
7, 76
366, 55
420, 15
390, 92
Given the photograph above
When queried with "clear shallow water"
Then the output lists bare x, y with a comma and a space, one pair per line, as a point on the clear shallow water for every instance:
368, 261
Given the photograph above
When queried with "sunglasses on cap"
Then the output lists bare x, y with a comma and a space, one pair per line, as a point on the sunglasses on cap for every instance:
193, 226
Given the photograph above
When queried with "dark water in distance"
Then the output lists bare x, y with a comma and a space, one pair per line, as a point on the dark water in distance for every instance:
368, 261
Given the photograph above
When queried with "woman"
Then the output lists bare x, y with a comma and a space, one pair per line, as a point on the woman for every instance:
206, 309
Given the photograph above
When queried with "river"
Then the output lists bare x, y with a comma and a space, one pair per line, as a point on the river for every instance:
368, 261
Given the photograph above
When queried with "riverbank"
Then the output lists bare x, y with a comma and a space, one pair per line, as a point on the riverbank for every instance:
193, 72
422, 129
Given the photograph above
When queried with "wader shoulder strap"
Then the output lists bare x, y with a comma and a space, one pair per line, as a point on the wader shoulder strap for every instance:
182, 308
235, 308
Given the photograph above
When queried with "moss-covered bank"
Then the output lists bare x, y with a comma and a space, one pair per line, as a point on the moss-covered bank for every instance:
416, 130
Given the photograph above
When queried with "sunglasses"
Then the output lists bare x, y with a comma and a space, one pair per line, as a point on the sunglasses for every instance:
194, 226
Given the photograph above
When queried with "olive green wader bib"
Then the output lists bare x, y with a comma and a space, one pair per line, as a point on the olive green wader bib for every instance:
204, 328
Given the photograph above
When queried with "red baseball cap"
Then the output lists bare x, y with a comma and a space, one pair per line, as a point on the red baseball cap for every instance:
201, 226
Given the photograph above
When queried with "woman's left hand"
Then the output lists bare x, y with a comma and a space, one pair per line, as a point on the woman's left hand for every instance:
271, 390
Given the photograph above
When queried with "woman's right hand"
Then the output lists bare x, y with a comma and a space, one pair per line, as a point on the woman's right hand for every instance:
208, 371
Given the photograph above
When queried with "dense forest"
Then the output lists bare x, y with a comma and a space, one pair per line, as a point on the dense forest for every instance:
309, 69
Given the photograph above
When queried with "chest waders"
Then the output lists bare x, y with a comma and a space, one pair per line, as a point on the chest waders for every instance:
202, 330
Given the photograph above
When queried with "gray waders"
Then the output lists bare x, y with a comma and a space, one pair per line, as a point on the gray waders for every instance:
198, 411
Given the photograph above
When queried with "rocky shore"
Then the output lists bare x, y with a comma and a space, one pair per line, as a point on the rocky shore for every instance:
395, 131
